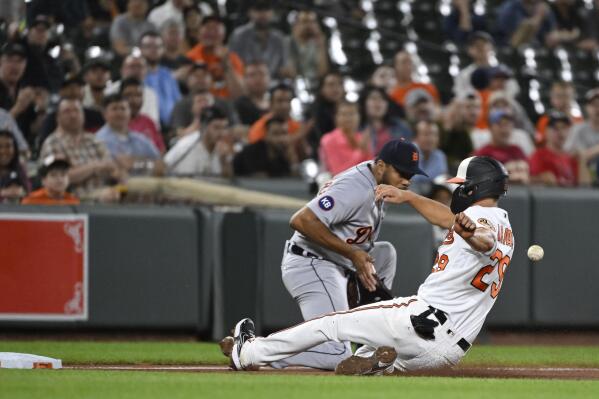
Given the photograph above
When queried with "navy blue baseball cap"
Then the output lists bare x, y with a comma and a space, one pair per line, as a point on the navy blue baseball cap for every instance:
403, 156
496, 115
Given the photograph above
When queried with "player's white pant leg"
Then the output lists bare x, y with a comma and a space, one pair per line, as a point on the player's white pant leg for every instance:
319, 287
381, 324
443, 351
385, 261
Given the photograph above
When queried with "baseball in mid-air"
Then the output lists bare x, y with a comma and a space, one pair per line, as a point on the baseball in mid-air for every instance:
535, 253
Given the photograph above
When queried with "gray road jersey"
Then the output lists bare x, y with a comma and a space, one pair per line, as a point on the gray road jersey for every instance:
346, 206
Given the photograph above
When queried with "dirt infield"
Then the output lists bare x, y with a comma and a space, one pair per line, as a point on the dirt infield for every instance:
568, 373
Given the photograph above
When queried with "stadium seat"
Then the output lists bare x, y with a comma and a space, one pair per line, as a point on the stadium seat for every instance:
389, 22
386, 7
389, 47
584, 67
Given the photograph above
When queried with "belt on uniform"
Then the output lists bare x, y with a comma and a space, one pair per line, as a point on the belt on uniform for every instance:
297, 250
465, 345
442, 317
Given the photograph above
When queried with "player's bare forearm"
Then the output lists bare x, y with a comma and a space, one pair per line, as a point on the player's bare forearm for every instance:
483, 240
308, 224
435, 212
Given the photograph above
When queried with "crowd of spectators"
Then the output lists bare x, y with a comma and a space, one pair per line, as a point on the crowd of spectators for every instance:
93, 94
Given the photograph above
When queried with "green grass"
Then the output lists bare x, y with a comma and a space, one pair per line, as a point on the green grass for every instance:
86, 352
495, 355
48, 384
82, 352
75, 384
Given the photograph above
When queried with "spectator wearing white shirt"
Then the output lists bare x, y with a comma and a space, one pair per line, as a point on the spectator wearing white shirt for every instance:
206, 153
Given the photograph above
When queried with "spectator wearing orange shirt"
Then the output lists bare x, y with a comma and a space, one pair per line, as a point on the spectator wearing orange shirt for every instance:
54, 173
404, 70
345, 147
225, 66
280, 107
561, 98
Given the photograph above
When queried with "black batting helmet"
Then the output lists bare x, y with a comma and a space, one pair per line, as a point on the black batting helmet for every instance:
478, 178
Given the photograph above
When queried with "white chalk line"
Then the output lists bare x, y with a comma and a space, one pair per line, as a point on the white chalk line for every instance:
225, 368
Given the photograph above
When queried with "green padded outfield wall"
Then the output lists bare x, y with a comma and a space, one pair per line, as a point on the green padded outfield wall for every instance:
565, 290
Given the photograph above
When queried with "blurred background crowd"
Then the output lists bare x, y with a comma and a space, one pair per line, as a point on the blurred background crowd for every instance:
93, 92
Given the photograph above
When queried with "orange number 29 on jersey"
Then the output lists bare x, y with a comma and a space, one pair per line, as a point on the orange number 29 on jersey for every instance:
440, 263
502, 262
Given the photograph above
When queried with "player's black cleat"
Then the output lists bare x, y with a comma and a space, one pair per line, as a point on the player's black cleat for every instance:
244, 331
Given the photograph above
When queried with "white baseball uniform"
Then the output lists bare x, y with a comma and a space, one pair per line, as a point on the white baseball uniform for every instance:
316, 277
464, 285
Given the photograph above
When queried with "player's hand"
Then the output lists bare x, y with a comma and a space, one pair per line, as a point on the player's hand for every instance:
364, 265
392, 194
464, 226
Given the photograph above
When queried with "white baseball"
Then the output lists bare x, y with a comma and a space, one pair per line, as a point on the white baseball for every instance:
535, 253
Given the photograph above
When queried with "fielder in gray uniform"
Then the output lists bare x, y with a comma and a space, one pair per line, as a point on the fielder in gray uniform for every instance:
336, 231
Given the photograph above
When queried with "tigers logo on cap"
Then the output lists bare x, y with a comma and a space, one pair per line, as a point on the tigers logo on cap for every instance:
403, 156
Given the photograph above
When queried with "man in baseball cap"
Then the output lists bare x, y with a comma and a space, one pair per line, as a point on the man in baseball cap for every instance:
550, 164
14, 48
419, 106
403, 156
97, 62
41, 20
